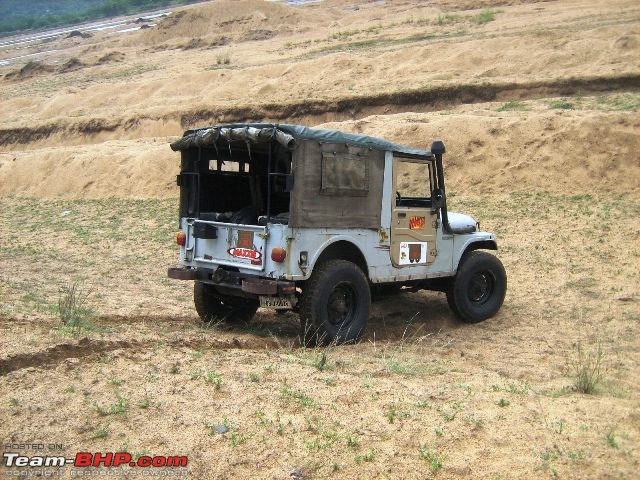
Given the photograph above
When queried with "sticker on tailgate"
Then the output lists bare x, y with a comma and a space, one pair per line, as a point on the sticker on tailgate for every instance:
240, 252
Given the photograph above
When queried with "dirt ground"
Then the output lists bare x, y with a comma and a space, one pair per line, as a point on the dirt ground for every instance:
538, 103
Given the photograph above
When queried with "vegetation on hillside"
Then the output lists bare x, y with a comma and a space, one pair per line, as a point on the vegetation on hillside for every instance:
20, 16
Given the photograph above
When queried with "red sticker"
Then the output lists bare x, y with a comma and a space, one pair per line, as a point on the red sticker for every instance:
244, 253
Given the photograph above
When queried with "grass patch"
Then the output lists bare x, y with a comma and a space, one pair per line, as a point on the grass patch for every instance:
512, 105
485, 16
297, 397
447, 19
561, 105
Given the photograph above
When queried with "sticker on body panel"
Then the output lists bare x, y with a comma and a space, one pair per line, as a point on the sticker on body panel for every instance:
413, 253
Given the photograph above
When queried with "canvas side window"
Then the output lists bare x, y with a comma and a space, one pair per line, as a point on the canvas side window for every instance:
413, 184
413, 179
344, 174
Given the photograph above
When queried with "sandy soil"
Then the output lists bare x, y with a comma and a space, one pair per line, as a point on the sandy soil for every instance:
539, 109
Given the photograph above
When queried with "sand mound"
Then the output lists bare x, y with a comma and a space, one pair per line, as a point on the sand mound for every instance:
30, 70
265, 19
487, 152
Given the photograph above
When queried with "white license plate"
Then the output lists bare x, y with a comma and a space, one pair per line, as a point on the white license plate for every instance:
275, 302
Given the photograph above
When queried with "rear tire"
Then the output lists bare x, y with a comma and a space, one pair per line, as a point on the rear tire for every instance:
335, 304
478, 289
215, 308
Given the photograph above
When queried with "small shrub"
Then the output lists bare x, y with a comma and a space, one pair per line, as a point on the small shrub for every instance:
587, 368
392, 413
322, 363
73, 310
223, 59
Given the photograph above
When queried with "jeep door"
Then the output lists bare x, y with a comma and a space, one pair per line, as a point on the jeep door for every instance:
413, 220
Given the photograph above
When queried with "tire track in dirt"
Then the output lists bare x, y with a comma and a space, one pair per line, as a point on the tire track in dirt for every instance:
86, 347
349, 108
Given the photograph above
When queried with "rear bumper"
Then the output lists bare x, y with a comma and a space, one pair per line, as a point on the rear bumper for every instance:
227, 282
182, 273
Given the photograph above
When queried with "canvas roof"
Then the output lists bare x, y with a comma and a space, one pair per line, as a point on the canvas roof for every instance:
286, 135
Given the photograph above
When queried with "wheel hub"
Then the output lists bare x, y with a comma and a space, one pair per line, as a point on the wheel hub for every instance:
340, 304
480, 287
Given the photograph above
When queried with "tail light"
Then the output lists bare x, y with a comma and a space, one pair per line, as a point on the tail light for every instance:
278, 254
181, 239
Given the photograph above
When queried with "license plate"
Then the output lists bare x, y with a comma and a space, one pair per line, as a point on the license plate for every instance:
275, 302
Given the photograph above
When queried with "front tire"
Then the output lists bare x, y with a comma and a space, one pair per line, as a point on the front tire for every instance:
213, 308
335, 304
478, 289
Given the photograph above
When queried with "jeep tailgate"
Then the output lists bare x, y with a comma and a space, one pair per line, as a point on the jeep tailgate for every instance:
228, 244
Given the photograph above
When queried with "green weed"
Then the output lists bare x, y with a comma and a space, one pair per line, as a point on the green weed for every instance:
214, 378
369, 456
118, 408
392, 413
434, 460
102, 433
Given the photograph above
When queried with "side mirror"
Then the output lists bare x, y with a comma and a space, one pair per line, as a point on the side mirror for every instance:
437, 198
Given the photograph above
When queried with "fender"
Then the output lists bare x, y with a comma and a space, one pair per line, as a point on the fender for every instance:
476, 241
351, 250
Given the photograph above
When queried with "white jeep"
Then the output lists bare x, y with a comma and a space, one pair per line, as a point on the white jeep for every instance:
320, 221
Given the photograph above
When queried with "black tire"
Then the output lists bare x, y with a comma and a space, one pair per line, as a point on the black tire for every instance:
335, 304
215, 308
478, 289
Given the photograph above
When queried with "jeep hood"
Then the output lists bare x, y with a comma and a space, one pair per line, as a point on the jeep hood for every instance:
462, 223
